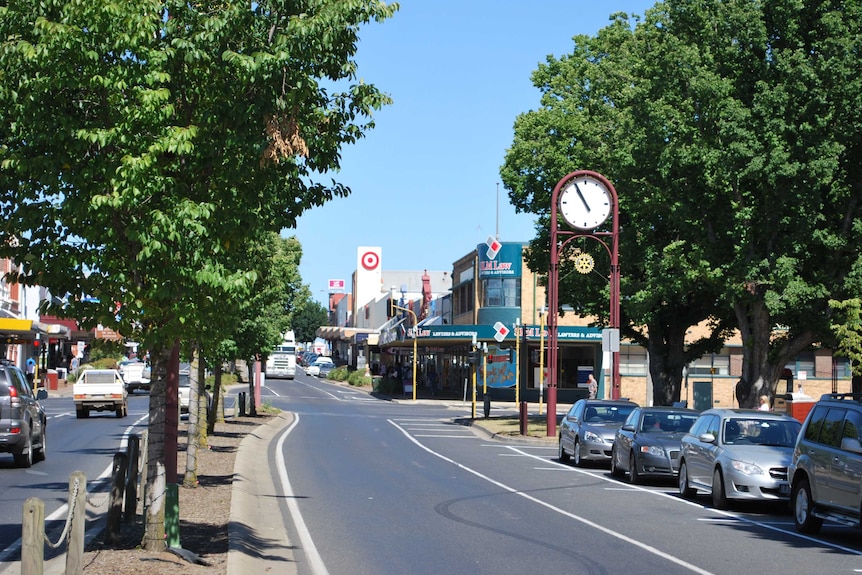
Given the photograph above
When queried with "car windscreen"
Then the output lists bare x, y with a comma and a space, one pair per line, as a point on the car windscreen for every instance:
667, 422
754, 431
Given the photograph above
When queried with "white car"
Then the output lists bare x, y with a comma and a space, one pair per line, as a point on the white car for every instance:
185, 389
321, 366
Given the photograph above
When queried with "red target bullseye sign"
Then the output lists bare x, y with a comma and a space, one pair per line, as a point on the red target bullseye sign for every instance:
370, 260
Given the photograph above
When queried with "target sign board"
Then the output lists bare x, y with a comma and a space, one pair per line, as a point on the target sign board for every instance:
500, 331
370, 260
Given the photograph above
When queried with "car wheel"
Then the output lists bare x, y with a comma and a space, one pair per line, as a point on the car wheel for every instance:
684, 489
615, 468
803, 508
634, 477
25, 458
43, 445
719, 497
576, 453
561, 452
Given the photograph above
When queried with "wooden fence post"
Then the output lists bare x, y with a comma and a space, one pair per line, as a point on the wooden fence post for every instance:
77, 531
33, 537
131, 504
115, 509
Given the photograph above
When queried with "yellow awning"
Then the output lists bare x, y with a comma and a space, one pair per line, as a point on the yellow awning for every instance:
11, 325
26, 328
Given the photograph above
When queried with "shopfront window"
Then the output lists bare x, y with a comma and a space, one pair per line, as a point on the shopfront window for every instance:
502, 292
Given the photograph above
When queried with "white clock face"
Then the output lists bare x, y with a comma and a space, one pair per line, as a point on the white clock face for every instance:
585, 203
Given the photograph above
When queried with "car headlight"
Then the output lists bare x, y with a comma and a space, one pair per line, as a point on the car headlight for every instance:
652, 450
593, 437
746, 468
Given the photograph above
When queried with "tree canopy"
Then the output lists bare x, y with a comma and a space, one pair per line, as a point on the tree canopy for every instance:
729, 129
141, 142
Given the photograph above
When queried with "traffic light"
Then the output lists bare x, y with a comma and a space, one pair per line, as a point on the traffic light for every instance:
475, 357
390, 309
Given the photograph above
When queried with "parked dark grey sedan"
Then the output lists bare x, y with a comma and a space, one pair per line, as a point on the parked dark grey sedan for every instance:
587, 431
647, 445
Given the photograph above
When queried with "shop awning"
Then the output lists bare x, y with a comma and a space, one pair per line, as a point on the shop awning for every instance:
26, 329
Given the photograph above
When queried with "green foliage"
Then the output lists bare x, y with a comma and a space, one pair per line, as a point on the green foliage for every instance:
339, 374
848, 330
358, 379
101, 363
145, 146
308, 318
731, 132
105, 348
227, 379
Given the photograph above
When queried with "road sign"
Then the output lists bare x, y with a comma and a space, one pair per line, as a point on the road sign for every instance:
501, 331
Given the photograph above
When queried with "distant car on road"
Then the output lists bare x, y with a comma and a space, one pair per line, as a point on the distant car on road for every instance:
185, 390
135, 375
587, 430
647, 445
738, 454
23, 423
321, 367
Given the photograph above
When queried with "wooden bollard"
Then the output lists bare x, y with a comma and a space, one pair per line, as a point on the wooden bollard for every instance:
115, 510
33, 537
77, 530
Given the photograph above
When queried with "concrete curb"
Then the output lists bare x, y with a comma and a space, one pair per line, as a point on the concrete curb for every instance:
257, 539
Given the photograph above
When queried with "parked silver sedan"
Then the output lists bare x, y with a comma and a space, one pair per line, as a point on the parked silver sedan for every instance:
587, 431
647, 445
738, 454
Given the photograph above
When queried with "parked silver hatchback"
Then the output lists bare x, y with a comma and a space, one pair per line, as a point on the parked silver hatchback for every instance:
738, 454
826, 470
22, 419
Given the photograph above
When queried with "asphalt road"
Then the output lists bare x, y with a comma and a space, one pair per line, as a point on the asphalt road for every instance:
86, 445
371, 486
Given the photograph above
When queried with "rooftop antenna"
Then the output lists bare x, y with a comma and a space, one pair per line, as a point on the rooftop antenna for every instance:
498, 212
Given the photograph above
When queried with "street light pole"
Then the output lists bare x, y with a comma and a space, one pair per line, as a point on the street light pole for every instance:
415, 327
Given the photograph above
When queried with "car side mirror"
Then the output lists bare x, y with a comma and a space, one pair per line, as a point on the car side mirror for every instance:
628, 427
43, 394
707, 438
851, 444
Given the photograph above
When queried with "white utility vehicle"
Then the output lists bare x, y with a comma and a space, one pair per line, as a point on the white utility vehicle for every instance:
100, 390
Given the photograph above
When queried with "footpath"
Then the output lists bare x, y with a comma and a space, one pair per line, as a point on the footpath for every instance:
258, 541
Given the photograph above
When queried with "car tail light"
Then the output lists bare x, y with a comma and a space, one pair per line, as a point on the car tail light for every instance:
15, 430
15, 401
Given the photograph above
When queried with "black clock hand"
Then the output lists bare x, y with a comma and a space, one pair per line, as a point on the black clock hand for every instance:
580, 195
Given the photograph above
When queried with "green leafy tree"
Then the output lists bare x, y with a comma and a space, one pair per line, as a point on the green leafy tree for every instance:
139, 143
310, 316
848, 331
589, 120
729, 130
771, 137
268, 312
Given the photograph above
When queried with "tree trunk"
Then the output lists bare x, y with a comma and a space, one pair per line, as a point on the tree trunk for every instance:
203, 405
763, 356
155, 488
190, 478
211, 419
252, 408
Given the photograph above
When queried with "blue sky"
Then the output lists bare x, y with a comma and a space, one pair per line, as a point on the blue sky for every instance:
425, 179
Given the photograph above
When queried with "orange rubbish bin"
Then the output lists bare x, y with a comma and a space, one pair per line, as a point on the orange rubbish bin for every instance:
51, 378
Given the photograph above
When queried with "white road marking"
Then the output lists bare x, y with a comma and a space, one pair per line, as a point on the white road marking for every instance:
585, 521
314, 559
